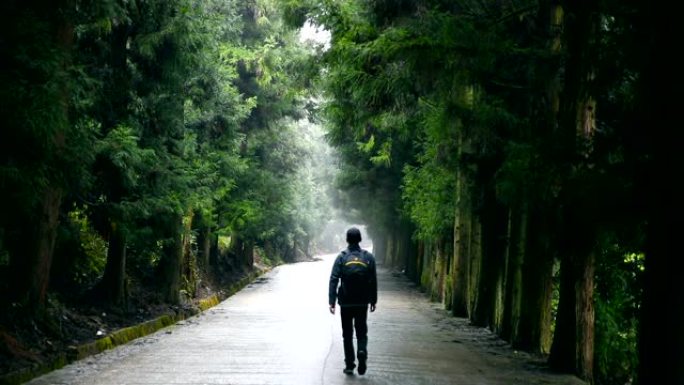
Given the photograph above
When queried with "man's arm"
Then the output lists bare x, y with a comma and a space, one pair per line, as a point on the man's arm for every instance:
373, 286
332, 286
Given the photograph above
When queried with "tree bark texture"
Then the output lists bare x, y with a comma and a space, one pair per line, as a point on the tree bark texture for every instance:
446, 246
425, 258
577, 120
214, 251
439, 272
204, 237
172, 261
475, 261
493, 221
34, 268
416, 264
391, 249
248, 255
38, 260
584, 310
190, 268
501, 260
562, 357
407, 246
380, 247
517, 246
573, 344
421, 263
534, 327
460, 260
112, 285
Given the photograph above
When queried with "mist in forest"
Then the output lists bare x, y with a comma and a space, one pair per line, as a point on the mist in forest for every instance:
332, 238
332, 216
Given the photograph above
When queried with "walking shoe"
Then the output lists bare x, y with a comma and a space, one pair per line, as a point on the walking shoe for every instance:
362, 362
349, 369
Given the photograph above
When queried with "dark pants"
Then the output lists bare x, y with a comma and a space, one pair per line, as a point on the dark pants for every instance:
354, 317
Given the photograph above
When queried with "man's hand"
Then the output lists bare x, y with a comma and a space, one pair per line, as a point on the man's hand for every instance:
332, 309
372, 307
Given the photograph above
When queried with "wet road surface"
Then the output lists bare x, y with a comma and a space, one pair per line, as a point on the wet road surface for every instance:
278, 331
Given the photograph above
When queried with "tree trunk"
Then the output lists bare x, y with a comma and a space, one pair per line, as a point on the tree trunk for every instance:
501, 266
172, 261
461, 260
379, 246
248, 256
405, 245
390, 248
573, 344
584, 309
112, 286
237, 248
34, 273
414, 266
204, 237
34, 270
493, 226
399, 249
244, 252
447, 288
214, 252
562, 356
534, 328
439, 270
459, 305
509, 279
410, 248
517, 246
483, 283
467, 250
577, 122
441, 265
475, 261
190, 270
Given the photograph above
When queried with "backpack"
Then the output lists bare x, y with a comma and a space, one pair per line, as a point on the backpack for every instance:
356, 272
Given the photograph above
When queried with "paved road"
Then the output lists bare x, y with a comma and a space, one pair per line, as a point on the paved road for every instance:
278, 331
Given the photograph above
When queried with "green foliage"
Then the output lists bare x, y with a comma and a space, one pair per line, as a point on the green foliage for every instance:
445, 101
149, 112
41, 147
140, 114
429, 194
87, 256
618, 295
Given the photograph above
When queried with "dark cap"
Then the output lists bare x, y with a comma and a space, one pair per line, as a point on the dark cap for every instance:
353, 235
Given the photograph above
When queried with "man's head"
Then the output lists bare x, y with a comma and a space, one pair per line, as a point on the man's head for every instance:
353, 236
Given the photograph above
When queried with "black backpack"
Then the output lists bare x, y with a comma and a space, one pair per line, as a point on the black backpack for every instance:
356, 270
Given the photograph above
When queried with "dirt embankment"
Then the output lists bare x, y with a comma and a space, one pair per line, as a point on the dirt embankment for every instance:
74, 327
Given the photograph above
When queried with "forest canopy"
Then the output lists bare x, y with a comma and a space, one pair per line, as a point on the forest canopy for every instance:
514, 159
510, 157
152, 145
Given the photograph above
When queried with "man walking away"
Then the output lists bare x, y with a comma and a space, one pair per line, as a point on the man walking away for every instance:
355, 267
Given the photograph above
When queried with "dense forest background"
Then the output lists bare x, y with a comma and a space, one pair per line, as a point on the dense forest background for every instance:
517, 159
511, 157
150, 151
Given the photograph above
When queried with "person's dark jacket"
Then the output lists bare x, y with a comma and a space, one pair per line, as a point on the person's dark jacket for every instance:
353, 296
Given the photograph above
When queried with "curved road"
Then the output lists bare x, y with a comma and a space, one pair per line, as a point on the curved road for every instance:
278, 331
